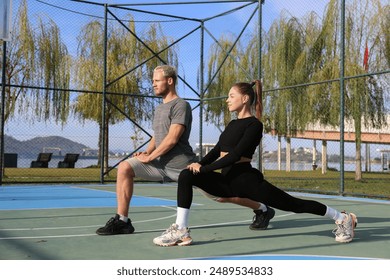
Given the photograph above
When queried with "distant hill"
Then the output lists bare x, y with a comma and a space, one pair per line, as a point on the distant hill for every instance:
34, 146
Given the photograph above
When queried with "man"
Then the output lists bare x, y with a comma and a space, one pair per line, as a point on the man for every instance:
167, 154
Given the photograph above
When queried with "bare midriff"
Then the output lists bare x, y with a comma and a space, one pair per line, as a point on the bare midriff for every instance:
242, 159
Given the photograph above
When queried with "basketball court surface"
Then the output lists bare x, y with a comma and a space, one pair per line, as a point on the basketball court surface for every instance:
58, 222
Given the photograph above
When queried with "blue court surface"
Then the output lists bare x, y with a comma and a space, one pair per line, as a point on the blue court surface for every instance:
58, 222
51, 197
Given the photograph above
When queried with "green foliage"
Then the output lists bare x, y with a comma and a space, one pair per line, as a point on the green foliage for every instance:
285, 65
127, 79
37, 55
130, 60
223, 72
54, 72
303, 51
385, 27
298, 55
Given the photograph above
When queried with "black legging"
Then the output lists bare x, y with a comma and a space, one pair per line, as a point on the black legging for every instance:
241, 180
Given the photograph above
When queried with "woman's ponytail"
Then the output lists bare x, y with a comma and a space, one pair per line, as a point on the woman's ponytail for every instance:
255, 95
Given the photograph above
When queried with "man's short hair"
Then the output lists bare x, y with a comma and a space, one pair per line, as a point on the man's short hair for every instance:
168, 71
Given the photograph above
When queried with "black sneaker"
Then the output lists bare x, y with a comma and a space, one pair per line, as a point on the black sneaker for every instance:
116, 226
261, 219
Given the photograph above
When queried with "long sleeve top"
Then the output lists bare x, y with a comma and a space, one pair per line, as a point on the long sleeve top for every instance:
239, 139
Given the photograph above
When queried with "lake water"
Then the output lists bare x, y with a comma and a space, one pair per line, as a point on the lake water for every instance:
305, 166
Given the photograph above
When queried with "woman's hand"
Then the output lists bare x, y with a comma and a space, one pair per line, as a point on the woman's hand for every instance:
194, 167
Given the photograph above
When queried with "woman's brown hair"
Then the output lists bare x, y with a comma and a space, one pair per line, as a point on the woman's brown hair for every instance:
255, 95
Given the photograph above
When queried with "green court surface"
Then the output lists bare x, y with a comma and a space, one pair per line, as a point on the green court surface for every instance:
58, 222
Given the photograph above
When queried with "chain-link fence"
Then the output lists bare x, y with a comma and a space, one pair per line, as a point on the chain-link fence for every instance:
78, 81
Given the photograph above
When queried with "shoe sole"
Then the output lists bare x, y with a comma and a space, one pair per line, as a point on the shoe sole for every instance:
115, 233
354, 222
270, 218
178, 243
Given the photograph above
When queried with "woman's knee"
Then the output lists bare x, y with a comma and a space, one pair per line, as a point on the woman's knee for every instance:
185, 175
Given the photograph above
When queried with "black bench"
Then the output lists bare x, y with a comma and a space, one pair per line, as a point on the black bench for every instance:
42, 161
69, 161
10, 160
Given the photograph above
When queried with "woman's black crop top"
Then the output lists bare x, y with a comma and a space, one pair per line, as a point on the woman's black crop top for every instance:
239, 139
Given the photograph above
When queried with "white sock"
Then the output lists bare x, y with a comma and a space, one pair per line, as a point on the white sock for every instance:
182, 217
263, 207
123, 218
334, 214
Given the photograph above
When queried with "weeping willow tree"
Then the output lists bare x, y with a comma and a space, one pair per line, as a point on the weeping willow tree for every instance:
90, 77
364, 96
223, 71
127, 63
364, 102
282, 61
36, 56
306, 51
154, 51
385, 27
325, 97
53, 72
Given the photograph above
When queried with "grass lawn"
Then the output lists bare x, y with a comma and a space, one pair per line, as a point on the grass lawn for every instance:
60, 175
372, 184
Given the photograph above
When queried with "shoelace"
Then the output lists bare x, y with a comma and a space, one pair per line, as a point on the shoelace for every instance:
171, 229
341, 230
173, 232
258, 218
110, 221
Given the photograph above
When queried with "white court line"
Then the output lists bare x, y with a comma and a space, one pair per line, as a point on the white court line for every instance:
222, 224
76, 227
47, 237
138, 232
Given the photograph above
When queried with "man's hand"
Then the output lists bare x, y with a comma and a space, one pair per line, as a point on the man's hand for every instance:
143, 157
138, 153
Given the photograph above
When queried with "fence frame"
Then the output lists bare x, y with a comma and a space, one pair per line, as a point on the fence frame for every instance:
203, 88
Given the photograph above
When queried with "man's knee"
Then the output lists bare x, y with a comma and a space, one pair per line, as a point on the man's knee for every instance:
125, 168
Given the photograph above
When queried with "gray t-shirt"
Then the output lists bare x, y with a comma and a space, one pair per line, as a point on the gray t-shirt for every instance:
176, 111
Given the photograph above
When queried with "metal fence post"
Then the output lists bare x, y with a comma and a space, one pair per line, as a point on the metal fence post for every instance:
342, 79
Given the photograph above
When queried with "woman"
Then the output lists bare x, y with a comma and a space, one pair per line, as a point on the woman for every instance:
233, 154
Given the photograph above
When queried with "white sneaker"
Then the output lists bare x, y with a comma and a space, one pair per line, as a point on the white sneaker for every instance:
344, 231
174, 236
